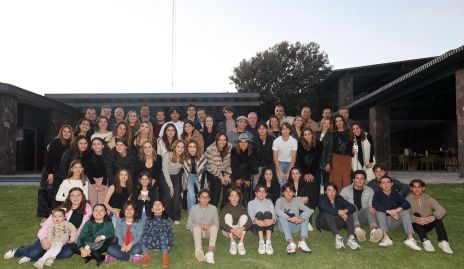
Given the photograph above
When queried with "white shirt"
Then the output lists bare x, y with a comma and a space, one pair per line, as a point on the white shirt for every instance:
285, 148
179, 126
107, 137
68, 184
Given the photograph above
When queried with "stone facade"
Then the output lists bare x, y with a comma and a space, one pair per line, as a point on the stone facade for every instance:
380, 129
460, 119
8, 117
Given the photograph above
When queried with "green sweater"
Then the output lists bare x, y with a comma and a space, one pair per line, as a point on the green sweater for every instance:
92, 230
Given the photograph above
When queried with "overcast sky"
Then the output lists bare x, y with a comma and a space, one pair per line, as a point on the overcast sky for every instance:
60, 46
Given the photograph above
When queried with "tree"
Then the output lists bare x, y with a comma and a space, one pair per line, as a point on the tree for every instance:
286, 73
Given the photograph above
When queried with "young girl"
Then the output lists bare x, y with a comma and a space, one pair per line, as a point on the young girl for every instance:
132, 119
269, 180
118, 193
59, 233
119, 158
128, 231
96, 172
145, 133
194, 168
301, 189
76, 178
172, 165
84, 128
244, 168
157, 234
79, 150
96, 235
190, 133
103, 132
167, 139
144, 197
261, 212
209, 131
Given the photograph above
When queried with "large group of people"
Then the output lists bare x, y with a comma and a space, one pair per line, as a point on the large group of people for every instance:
117, 184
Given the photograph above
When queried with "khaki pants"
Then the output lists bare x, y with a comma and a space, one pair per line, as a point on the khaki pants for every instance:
198, 234
341, 171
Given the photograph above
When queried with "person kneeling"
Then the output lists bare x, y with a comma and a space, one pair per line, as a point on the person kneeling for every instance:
288, 210
426, 214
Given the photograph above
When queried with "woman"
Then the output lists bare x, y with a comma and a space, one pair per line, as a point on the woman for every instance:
119, 158
75, 178
172, 165
325, 164
244, 169
165, 142
190, 133
336, 213
84, 127
103, 132
51, 173
363, 149
308, 160
149, 162
194, 172
284, 153
300, 185
132, 120
268, 179
79, 150
274, 126
145, 133
297, 127
96, 171
209, 131
78, 211
263, 147
121, 130
219, 168
341, 153
144, 197
118, 193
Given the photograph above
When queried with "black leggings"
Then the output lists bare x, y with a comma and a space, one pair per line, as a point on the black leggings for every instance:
263, 216
175, 204
314, 189
422, 230
215, 187
334, 223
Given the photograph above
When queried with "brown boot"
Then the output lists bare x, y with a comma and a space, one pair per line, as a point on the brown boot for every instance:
146, 260
165, 260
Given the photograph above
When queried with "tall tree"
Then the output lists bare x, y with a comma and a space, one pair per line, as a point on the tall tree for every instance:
286, 73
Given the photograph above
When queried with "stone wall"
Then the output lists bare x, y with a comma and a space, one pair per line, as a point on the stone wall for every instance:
8, 108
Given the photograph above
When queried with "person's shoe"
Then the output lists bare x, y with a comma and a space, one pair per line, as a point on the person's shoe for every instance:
269, 249
360, 234
24, 260
146, 260
428, 246
9, 254
209, 257
98, 257
39, 264
386, 242
310, 227
49, 262
339, 242
262, 247
291, 249
199, 255
376, 235
176, 222
165, 260
87, 259
351, 242
135, 258
304, 247
233, 248
444, 245
110, 259
412, 244
241, 249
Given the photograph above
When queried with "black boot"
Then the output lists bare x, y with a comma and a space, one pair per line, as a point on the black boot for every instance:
98, 257
87, 259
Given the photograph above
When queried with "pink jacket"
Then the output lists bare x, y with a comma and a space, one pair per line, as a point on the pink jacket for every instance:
43, 231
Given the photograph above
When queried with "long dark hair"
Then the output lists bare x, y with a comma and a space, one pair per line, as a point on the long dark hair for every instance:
104, 150
308, 145
139, 186
226, 148
184, 133
164, 138
106, 218
362, 135
67, 204
117, 182
74, 151
262, 180
123, 210
213, 129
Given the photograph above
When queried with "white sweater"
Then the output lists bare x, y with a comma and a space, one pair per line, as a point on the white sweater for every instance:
68, 184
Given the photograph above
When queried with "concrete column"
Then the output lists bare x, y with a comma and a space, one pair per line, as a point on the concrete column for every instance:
379, 128
345, 90
8, 120
460, 119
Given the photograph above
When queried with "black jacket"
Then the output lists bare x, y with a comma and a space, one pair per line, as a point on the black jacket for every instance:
309, 160
264, 151
243, 165
114, 162
327, 144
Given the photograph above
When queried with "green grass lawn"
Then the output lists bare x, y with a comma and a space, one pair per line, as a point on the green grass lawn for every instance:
18, 226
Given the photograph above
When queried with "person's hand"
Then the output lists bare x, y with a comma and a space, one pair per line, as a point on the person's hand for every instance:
153, 182
283, 175
98, 239
50, 179
420, 220
308, 178
171, 191
369, 165
394, 214
247, 183
123, 248
98, 181
372, 210
260, 223
237, 232
429, 219
299, 220
227, 178
46, 244
129, 247
327, 168
238, 182
343, 214
293, 219
84, 252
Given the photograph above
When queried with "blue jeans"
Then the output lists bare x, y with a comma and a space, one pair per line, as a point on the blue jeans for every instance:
284, 166
191, 197
288, 227
115, 251
35, 251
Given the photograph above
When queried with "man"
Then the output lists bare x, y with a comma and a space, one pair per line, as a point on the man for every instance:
192, 116
280, 114
307, 121
392, 212
426, 214
91, 115
345, 113
361, 196
145, 114
160, 120
174, 114
326, 114
252, 121
233, 136
201, 114
381, 171
119, 114
228, 124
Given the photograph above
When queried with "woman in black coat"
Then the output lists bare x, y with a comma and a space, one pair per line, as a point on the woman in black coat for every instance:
325, 137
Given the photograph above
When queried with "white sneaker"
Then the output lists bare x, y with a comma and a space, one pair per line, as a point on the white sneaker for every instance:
176, 222
269, 249
291, 249
428, 246
209, 257
39, 264
444, 245
9, 254
412, 244
386, 242
351, 242
49, 262
376, 235
360, 234
199, 255
233, 248
304, 247
262, 247
310, 227
241, 249
339, 242
24, 260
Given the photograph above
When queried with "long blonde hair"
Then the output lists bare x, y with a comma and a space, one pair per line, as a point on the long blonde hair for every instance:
173, 154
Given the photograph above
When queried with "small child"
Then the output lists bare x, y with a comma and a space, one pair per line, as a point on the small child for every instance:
59, 233
157, 234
